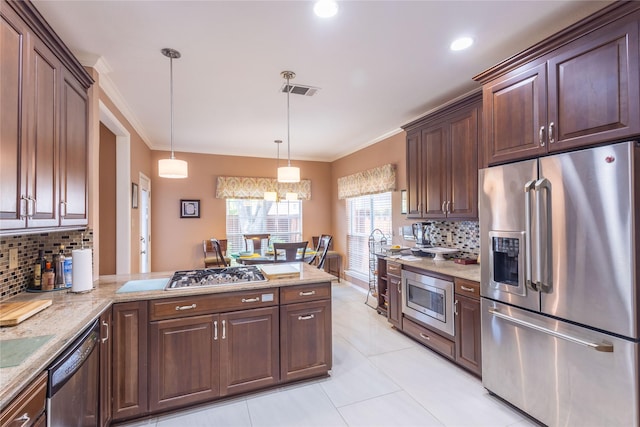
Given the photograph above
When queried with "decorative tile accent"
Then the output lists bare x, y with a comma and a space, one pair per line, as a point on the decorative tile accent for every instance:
12, 282
465, 236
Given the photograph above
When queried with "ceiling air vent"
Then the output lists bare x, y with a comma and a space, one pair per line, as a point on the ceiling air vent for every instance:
299, 89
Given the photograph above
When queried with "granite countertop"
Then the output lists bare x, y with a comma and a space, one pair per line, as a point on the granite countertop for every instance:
71, 313
450, 268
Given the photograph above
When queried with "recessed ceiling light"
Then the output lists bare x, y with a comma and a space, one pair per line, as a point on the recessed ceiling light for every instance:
325, 8
461, 43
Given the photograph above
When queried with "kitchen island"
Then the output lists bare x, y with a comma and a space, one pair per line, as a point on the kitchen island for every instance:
61, 323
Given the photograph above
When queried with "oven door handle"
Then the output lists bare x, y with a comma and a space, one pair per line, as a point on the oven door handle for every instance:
528, 187
607, 348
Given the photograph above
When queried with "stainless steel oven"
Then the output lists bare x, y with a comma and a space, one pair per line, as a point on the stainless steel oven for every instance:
428, 300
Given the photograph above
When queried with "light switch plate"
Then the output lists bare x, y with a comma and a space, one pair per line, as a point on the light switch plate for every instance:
13, 258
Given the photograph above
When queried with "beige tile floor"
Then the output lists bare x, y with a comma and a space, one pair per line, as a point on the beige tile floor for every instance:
379, 378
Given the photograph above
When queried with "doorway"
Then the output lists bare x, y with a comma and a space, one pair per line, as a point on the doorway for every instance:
145, 223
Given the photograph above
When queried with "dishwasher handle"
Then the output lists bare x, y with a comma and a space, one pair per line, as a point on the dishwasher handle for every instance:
72, 359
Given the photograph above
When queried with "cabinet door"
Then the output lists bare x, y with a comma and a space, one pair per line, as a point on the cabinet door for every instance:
106, 367
463, 166
593, 88
12, 146
415, 183
129, 359
73, 153
248, 350
394, 315
515, 108
468, 344
184, 361
305, 340
435, 169
42, 135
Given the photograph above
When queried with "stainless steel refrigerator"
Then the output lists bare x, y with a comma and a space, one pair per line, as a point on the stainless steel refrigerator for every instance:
559, 285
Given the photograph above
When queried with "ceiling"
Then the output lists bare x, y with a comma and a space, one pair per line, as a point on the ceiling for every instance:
378, 64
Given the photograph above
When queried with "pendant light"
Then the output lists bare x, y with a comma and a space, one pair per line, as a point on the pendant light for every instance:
273, 196
288, 173
172, 167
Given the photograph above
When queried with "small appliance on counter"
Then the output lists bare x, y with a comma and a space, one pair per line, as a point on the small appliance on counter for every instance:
421, 234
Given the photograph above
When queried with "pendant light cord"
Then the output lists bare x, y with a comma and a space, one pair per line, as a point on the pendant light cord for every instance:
171, 97
288, 124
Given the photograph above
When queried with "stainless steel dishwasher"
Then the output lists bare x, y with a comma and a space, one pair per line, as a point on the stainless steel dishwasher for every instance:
72, 392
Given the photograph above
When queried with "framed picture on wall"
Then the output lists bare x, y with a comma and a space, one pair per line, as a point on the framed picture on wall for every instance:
189, 208
134, 195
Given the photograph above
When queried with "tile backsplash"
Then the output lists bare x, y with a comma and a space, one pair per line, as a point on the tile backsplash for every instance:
465, 235
12, 282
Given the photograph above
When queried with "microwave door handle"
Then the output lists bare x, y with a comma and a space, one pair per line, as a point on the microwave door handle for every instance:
542, 184
530, 185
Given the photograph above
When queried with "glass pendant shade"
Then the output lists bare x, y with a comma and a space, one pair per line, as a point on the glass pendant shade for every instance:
288, 174
172, 168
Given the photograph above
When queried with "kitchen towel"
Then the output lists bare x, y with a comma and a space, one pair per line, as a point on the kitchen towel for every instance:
82, 270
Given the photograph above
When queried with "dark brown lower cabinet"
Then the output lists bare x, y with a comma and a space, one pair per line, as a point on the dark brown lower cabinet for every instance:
106, 367
196, 359
305, 339
249, 350
468, 348
184, 361
129, 360
394, 294
468, 338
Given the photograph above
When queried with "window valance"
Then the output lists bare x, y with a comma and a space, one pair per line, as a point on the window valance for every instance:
372, 181
240, 187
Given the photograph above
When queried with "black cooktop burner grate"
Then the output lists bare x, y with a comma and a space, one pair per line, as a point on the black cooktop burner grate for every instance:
215, 276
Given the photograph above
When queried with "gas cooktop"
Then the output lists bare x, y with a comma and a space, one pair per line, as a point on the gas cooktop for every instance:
215, 276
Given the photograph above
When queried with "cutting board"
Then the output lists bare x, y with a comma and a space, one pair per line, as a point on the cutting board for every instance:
281, 271
12, 313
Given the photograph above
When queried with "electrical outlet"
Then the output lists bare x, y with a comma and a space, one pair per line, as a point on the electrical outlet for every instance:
13, 258
449, 237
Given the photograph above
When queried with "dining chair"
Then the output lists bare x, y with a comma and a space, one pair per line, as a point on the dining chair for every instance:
254, 241
292, 251
324, 243
321, 243
214, 253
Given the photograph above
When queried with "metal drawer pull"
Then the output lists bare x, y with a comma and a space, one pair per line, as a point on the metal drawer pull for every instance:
185, 307
426, 337
256, 299
224, 329
215, 330
306, 294
455, 307
307, 317
107, 337
464, 288
607, 348
24, 418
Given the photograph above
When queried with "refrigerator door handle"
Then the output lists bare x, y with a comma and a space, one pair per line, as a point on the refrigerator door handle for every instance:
542, 280
527, 234
607, 348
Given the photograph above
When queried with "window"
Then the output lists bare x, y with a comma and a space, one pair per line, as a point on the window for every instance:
365, 214
283, 220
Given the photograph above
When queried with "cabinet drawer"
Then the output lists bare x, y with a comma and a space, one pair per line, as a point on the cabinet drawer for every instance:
428, 338
172, 308
394, 268
301, 293
25, 409
467, 288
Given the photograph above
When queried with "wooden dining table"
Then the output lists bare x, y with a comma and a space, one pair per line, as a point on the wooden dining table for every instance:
267, 258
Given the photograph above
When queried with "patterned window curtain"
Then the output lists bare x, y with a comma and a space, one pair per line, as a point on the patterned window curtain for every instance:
239, 187
372, 181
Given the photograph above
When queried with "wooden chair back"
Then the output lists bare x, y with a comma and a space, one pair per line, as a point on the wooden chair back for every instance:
256, 240
324, 243
293, 251
214, 252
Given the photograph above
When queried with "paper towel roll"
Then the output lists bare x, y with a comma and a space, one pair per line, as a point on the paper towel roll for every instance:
82, 270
